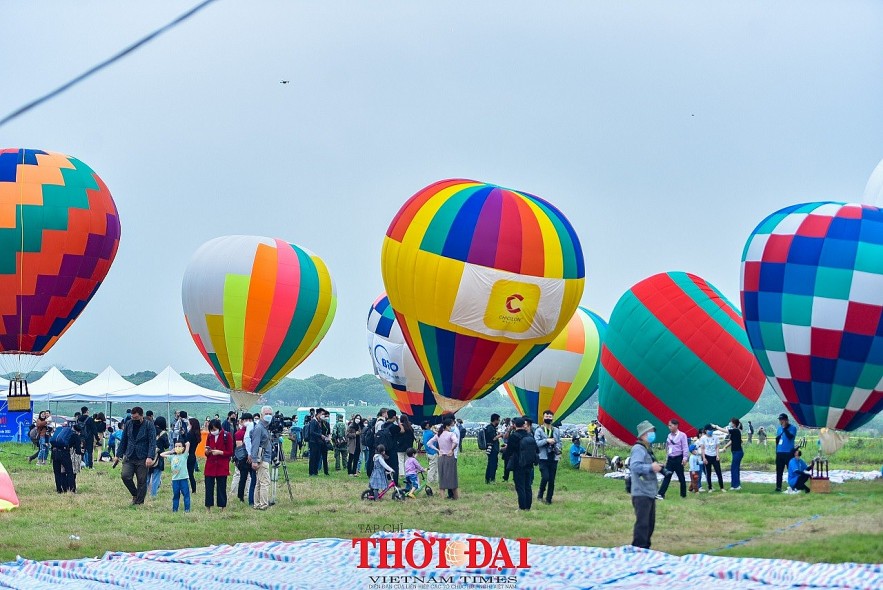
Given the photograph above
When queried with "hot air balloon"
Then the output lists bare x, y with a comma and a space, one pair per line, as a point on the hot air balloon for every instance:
396, 368
565, 375
675, 348
59, 233
481, 278
874, 189
256, 308
812, 292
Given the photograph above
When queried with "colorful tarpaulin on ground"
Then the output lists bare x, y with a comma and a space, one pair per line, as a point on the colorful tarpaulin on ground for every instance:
331, 563
835, 475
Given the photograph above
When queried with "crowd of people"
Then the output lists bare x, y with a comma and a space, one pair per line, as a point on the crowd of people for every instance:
385, 447
702, 456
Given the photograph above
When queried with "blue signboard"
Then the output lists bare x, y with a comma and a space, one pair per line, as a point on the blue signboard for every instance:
14, 426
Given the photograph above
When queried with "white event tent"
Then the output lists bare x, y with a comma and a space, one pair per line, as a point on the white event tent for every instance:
99, 389
109, 387
50, 386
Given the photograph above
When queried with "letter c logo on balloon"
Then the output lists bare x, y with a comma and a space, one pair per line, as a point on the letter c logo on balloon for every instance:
512, 303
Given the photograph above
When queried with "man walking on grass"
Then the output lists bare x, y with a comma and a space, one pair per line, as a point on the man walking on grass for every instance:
137, 450
678, 449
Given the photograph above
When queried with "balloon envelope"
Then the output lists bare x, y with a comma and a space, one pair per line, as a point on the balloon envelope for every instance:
396, 368
675, 348
59, 233
565, 375
481, 278
256, 308
874, 189
812, 291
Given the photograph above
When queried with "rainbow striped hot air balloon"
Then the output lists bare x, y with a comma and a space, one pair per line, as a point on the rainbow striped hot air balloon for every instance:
59, 233
482, 278
812, 291
396, 368
675, 348
256, 308
565, 375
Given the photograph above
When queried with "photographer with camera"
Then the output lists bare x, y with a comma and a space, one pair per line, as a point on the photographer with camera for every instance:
643, 469
260, 455
678, 448
548, 439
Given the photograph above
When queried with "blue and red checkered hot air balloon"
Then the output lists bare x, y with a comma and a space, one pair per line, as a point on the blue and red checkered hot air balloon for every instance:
396, 368
812, 294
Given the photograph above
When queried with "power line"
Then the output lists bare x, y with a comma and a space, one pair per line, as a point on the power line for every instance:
97, 68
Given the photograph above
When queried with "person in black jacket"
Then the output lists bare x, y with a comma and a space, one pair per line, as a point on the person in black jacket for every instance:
87, 435
388, 436
137, 449
492, 440
319, 438
519, 462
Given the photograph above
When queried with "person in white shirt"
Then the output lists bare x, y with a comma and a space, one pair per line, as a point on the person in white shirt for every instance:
709, 445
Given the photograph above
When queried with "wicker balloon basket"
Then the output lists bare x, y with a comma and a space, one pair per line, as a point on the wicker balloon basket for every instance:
17, 397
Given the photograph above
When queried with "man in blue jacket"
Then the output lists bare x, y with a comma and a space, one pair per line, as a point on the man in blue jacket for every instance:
785, 435
643, 469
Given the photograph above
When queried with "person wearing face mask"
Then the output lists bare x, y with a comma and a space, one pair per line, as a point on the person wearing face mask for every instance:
643, 469
709, 445
548, 440
218, 450
261, 451
137, 449
241, 455
353, 445
180, 478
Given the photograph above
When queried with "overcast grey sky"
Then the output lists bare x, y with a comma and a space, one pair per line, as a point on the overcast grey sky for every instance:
665, 131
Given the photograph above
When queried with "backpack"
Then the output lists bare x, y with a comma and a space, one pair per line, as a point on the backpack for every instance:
482, 440
528, 452
368, 434
385, 438
61, 437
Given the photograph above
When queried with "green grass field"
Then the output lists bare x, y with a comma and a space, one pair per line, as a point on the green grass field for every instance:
588, 510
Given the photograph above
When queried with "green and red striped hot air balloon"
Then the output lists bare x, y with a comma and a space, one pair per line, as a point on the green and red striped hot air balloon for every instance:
256, 308
675, 348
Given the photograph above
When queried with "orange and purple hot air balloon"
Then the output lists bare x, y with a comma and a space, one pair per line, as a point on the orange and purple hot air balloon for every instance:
59, 233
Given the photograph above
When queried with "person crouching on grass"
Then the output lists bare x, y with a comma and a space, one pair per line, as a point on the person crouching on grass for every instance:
412, 468
180, 477
381, 469
798, 474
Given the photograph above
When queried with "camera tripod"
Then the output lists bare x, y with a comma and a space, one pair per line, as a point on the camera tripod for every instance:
278, 459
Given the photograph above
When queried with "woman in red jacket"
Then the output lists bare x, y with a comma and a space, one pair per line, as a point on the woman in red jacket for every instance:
218, 450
